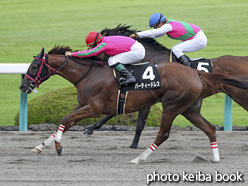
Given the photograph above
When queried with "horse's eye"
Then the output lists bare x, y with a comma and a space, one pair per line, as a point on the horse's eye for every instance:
34, 67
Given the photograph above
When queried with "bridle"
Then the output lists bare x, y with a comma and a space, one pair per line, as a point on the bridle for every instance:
38, 79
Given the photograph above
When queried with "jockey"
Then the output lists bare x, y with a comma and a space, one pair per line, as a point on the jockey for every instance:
123, 50
192, 37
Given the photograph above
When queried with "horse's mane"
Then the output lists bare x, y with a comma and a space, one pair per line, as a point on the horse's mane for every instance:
60, 49
125, 30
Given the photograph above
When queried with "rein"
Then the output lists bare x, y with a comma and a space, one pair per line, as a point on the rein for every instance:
79, 62
84, 75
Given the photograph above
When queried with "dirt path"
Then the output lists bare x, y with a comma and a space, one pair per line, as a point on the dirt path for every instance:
104, 159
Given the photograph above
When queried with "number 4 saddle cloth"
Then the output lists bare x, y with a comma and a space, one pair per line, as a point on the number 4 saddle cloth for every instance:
147, 77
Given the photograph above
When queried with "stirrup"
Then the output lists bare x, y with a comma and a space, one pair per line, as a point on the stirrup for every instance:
125, 83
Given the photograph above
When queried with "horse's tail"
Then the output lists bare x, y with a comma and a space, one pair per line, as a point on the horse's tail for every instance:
216, 82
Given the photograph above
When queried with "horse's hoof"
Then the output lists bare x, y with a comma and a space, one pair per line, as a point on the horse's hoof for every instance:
215, 161
133, 146
36, 150
135, 161
59, 150
88, 132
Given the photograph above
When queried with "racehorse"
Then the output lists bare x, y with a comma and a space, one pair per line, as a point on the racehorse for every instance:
181, 92
157, 53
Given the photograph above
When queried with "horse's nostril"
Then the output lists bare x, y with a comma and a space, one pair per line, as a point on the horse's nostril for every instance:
22, 88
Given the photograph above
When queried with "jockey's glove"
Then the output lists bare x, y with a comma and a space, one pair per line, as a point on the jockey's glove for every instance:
135, 36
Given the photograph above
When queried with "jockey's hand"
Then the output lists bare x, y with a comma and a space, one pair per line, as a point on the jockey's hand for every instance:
135, 36
68, 54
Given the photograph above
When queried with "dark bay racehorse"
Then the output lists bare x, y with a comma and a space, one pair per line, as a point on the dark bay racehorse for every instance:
157, 53
181, 92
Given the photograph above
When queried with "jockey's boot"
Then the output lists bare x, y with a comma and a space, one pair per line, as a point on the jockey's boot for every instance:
129, 78
184, 60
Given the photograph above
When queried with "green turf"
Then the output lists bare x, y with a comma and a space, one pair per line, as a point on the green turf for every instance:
28, 25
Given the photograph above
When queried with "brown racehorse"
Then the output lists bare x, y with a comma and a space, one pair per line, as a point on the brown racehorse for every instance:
157, 53
181, 92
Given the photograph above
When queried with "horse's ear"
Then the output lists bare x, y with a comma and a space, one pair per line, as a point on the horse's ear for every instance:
41, 54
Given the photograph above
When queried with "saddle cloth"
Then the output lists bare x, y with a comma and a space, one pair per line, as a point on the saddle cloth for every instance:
147, 77
202, 64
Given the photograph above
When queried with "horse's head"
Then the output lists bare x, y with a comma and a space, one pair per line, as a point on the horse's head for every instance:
37, 73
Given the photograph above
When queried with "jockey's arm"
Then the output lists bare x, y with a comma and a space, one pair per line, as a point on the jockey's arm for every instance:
91, 52
155, 32
102, 56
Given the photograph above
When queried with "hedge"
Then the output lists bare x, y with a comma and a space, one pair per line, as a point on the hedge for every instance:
51, 107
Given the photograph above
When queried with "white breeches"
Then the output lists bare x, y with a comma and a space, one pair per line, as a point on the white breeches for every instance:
198, 42
136, 53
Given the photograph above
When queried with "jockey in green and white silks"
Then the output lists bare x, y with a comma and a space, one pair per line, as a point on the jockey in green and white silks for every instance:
192, 37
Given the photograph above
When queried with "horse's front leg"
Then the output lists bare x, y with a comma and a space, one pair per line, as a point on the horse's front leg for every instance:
47, 142
81, 113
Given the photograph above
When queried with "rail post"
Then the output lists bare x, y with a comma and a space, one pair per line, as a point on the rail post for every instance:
228, 114
23, 113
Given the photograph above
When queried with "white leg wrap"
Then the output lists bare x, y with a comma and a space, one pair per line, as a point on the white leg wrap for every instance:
145, 154
39, 147
58, 136
48, 141
216, 156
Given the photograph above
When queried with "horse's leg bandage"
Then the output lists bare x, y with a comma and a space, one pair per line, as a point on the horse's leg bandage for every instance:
58, 136
46, 143
145, 154
216, 156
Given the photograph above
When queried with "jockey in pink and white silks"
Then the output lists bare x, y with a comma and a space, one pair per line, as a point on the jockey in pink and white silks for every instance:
122, 49
192, 37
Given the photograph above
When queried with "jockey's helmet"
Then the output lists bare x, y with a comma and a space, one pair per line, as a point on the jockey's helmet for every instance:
93, 38
156, 19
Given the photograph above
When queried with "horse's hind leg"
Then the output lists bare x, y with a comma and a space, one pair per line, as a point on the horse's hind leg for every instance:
98, 125
163, 135
143, 114
195, 117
